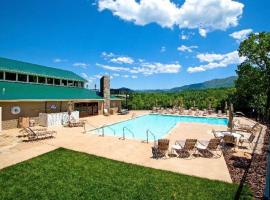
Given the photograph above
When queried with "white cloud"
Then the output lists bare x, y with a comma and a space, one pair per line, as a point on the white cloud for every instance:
107, 55
125, 76
216, 61
134, 76
59, 60
116, 75
202, 32
184, 48
241, 35
113, 68
156, 68
122, 60
162, 49
210, 57
80, 64
206, 15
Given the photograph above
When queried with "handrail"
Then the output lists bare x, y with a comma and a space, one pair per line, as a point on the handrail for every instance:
147, 136
102, 128
124, 134
84, 127
108, 128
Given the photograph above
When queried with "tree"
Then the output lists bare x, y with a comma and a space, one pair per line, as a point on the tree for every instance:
250, 89
256, 50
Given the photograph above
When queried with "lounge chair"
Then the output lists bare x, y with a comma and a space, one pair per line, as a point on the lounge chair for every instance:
123, 112
247, 140
162, 148
186, 150
36, 134
197, 113
205, 112
189, 112
219, 113
244, 127
209, 149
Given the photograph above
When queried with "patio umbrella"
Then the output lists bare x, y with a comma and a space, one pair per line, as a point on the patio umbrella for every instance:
194, 104
230, 123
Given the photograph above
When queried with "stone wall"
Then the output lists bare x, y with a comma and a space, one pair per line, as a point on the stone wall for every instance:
105, 91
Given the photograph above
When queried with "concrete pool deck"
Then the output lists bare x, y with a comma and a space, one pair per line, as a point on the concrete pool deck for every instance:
129, 151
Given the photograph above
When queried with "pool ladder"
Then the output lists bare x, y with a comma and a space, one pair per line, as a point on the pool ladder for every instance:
149, 132
124, 133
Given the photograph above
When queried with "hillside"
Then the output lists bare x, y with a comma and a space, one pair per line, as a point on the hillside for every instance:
215, 83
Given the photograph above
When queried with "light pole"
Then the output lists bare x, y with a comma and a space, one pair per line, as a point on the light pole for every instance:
127, 96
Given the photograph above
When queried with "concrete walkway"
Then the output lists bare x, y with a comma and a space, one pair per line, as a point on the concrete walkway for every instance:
129, 151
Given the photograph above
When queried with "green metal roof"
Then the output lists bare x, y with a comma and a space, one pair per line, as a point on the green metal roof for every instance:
39, 70
27, 91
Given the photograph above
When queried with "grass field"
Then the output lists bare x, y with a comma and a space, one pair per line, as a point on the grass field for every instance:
66, 174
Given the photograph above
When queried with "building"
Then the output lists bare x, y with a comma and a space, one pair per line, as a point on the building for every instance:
28, 89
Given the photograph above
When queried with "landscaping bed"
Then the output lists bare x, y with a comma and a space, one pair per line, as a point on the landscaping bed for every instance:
66, 174
250, 172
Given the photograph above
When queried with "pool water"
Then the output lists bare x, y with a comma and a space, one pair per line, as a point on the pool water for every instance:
158, 124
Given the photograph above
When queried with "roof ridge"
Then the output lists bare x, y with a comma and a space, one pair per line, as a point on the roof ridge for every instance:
42, 66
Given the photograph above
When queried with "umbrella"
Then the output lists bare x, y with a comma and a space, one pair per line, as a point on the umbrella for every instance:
230, 123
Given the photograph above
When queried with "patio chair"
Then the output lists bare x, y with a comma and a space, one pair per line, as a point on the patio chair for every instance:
186, 150
197, 113
189, 112
219, 113
211, 149
247, 140
162, 148
106, 112
205, 112
229, 141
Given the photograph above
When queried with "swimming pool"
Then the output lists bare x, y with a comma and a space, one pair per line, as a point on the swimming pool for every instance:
158, 124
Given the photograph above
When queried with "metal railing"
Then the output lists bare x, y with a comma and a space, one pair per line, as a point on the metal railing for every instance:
108, 128
100, 128
124, 133
147, 136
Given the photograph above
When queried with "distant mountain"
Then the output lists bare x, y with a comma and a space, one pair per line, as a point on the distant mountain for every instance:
215, 83
122, 90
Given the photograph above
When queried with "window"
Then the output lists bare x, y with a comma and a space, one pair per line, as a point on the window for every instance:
22, 77
76, 83
70, 83
56, 81
32, 79
64, 82
50, 81
10, 76
41, 79
1, 75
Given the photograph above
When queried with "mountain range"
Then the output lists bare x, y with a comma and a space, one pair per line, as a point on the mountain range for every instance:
214, 83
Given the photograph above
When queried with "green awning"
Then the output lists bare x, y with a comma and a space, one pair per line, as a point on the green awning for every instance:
37, 92
38, 70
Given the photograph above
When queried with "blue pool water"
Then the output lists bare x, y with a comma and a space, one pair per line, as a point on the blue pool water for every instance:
160, 125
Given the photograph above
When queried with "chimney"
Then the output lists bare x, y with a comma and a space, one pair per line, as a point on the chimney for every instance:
105, 91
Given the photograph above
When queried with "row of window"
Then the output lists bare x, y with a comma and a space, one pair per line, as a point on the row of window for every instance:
9, 76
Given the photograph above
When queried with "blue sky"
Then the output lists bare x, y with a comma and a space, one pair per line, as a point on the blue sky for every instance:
145, 44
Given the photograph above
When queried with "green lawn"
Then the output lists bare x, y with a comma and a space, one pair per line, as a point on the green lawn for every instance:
66, 174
